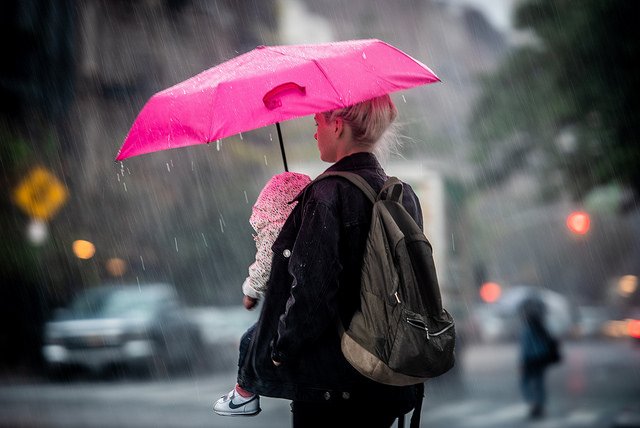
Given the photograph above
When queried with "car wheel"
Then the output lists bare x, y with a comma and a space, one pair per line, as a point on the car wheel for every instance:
157, 366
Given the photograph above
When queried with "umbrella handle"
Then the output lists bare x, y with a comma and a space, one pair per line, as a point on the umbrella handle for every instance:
272, 99
284, 157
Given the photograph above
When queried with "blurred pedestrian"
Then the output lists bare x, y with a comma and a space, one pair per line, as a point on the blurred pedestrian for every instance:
539, 349
315, 285
269, 213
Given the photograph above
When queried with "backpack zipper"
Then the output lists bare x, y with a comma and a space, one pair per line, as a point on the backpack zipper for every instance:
396, 296
421, 325
438, 333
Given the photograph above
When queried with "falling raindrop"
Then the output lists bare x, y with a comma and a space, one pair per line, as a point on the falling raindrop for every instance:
404, 99
138, 281
142, 261
246, 198
168, 168
176, 242
270, 137
125, 186
192, 166
118, 175
241, 136
128, 170
364, 55
221, 226
265, 160
205, 240
218, 145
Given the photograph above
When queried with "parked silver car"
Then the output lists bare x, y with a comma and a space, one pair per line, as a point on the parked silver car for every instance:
135, 325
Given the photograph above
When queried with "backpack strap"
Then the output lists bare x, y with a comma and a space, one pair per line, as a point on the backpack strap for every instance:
417, 411
393, 186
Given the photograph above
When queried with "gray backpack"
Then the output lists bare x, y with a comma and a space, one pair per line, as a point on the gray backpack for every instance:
400, 335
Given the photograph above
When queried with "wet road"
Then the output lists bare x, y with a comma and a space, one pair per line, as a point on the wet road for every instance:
595, 383
593, 387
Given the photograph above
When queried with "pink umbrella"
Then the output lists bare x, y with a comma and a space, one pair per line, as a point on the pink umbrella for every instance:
268, 85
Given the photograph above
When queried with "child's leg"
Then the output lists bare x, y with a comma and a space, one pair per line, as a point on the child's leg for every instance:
243, 392
245, 341
239, 401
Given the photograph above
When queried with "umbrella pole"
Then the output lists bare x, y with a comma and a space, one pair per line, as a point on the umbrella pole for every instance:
284, 157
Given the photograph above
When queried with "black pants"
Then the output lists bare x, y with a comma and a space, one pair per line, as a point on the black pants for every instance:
343, 414
245, 341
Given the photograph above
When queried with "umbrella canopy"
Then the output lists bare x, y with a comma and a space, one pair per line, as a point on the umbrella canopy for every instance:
268, 85
553, 307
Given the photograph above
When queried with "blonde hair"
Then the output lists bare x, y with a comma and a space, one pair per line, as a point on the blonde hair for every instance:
368, 120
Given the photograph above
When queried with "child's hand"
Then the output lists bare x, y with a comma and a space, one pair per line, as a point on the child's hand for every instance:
249, 302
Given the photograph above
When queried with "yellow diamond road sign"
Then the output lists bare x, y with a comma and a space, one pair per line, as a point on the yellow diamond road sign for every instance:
40, 194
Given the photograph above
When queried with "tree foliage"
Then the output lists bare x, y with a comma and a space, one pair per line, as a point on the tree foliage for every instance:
566, 104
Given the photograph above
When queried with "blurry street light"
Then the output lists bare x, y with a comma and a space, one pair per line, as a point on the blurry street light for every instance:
627, 285
579, 222
116, 266
83, 249
37, 232
490, 292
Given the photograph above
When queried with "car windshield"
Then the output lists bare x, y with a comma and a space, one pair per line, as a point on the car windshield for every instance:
107, 303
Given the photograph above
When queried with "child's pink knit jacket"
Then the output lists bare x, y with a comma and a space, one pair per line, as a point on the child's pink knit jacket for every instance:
269, 214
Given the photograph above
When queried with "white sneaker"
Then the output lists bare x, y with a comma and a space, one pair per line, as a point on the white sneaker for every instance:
234, 404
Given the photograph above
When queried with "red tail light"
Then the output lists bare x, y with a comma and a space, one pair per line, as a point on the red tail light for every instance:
633, 328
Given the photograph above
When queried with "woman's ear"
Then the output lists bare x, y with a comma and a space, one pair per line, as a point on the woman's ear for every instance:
338, 126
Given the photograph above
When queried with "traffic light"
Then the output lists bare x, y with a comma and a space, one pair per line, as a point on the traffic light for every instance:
490, 292
579, 222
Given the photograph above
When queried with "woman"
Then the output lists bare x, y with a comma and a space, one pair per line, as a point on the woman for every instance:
314, 285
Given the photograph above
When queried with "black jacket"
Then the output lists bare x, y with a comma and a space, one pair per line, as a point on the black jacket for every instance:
315, 278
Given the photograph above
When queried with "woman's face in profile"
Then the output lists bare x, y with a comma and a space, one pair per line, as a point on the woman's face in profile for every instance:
326, 137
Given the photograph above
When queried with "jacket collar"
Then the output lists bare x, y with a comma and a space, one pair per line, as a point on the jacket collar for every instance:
360, 160
354, 162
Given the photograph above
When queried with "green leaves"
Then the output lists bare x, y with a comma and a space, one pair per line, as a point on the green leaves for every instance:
576, 75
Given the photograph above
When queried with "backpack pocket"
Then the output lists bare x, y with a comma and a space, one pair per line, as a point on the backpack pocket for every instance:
423, 345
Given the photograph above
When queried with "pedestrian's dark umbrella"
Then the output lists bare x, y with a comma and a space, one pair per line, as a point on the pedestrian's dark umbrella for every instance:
267, 86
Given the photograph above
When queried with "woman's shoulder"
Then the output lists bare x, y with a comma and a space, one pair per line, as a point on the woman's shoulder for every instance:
326, 191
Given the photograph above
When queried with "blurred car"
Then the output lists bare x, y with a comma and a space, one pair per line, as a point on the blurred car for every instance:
222, 328
134, 326
633, 326
488, 325
629, 327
